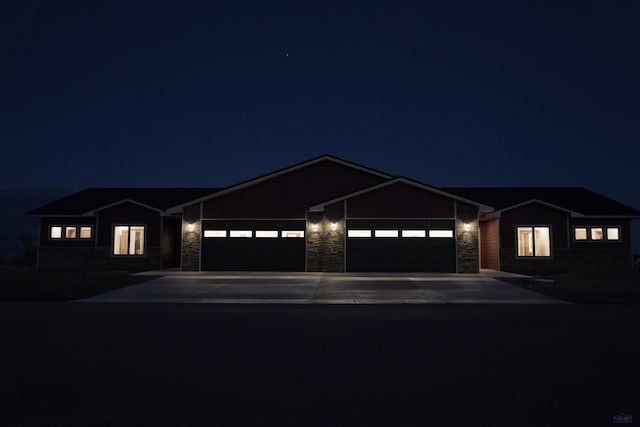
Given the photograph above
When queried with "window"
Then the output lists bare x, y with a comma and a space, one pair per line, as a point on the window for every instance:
85, 232
414, 233
580, 233
296, 234
534, 241
240, 233
128, 240
215, 233
359, 233
70, 232
55, 232
613, 233
270, 234
386, 233
441, 233
597, 233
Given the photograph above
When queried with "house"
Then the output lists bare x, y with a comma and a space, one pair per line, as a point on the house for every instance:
328, 214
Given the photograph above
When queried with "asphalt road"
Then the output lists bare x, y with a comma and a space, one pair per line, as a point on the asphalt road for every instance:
432, 365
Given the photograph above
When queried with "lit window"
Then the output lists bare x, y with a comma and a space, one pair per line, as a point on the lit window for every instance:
597, 233
295, 234
534, 241
359, 233
386, 233
580, 233
441, 233
215, 233
70, 232
128, 240
414, 233
85, 232
613, 233
240, 233
270, 234
56, 232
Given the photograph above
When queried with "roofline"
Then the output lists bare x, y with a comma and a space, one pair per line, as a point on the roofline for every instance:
93, 212
279, 172
320, 207
497, 213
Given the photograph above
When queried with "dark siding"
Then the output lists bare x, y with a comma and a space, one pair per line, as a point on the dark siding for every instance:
290, 194
128, 214
45, 223
400, 201
533, 214
490, 251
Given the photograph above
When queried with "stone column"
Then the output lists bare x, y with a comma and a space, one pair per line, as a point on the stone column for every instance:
333, 238
191, 238
467, 251
314, 241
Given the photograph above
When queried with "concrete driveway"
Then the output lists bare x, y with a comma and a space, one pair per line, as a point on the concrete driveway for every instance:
325, 288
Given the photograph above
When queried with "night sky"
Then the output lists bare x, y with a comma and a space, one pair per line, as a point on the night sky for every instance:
524, 93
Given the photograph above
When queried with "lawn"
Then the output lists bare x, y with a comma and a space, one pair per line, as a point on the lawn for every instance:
588, 287
27, 284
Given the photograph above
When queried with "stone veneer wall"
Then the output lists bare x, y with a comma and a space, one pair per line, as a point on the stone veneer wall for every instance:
467, 252
325, 247
191, 239
314, 241
564, 260
100, 258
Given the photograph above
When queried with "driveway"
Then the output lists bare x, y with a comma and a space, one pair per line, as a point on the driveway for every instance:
325, 288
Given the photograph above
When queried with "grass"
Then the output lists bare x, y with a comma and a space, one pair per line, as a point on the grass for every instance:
588, 286
27, 284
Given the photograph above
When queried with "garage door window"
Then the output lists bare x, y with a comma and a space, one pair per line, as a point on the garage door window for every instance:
441, 234
215, 233
295, 234
414, 233
359, 233
267, 234
386, 233
241, 233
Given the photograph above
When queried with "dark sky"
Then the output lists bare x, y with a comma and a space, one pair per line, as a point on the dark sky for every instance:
210, 93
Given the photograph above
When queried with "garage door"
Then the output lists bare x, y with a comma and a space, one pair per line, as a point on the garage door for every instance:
253, 245
400, 246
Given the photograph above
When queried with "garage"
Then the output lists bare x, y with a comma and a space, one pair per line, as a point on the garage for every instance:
258, 245
400, 246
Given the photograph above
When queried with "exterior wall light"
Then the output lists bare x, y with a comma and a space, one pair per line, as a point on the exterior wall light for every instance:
334, 225
190, 226
467, 226
314, 226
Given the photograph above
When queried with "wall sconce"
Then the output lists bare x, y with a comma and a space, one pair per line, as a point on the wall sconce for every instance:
334, 225
314, 226
467, 226
190, 226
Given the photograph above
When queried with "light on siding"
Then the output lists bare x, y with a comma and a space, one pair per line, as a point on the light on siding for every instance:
334, 225
467, 226
314, 226
190, 226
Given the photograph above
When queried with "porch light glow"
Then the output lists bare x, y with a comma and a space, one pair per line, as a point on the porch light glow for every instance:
467, 226
334, 225
190, 226
314, 226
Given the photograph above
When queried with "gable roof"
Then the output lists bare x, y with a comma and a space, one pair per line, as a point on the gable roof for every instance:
86, 202
402, 180
326, 157
575, 199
